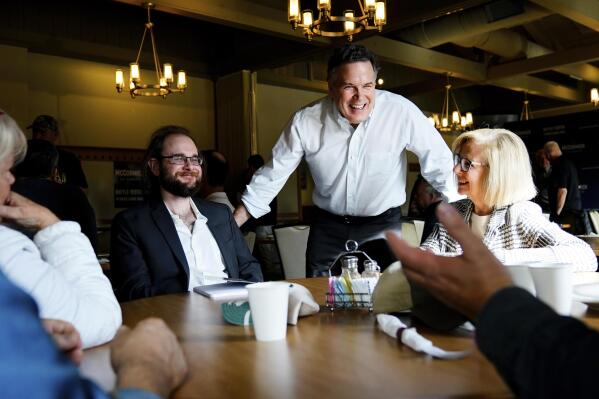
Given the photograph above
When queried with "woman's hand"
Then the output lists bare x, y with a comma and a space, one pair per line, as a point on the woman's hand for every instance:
26, 213
66, 337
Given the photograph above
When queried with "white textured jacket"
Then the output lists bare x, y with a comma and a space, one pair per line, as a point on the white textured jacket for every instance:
60, 271
519, 233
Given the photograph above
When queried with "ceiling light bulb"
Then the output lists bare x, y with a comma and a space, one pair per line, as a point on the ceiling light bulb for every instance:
307, 17
348, 25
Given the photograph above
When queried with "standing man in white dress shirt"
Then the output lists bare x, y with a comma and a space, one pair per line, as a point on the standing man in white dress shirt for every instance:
356, 154
174, 242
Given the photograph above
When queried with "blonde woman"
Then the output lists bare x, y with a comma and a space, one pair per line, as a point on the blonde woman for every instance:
493, 171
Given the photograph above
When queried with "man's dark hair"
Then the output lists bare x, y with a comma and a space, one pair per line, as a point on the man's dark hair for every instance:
40, 161
351, 53
155, 151
256, 161
216, 167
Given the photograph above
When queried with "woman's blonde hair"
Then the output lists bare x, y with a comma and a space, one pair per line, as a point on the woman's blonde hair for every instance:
508, 178
12, 139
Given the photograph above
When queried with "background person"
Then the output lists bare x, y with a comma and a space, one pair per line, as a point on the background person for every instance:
538, 353
425, 200
58, 268
564, 196
216, 170
36, 180
354, 142
45, 127
493, 170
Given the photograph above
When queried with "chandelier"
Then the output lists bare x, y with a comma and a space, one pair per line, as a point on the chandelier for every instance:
163, 85
371, 14
526, 113
457, 122
594, 97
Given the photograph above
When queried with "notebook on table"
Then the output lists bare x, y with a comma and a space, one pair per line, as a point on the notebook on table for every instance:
228, 291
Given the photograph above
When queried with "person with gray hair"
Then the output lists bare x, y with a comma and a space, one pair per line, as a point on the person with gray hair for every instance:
58, 267
493, 171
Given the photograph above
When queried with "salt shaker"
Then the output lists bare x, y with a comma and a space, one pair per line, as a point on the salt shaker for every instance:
349, 267
371, 269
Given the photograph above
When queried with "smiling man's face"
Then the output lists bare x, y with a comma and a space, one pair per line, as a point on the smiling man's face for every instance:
352, 88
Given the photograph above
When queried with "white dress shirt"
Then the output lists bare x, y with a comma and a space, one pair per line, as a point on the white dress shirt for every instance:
206, 265
358, 172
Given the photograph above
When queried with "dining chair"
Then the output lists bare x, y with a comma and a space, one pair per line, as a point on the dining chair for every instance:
409, 233
291, 241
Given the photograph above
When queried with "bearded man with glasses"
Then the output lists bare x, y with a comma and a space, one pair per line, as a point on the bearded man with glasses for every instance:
174, 242
493, 171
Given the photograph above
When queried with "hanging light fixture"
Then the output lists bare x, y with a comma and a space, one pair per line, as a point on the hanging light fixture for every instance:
594, 96
457, 122
371, 14
164, 84
526, 113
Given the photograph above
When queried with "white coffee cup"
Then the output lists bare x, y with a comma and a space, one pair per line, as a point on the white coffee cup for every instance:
550, 282
522, 277
268, 306
553, 283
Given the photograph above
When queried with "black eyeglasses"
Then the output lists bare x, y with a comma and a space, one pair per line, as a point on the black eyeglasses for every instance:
465, 163
180, 159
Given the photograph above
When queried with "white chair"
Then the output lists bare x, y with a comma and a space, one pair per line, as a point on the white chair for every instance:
419, 225
292, 242
594, 216
409, 233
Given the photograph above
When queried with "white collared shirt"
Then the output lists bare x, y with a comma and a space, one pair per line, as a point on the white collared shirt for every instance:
361, 171
206, 265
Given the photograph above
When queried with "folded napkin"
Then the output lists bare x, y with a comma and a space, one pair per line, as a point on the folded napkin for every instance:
301, 303
394, 327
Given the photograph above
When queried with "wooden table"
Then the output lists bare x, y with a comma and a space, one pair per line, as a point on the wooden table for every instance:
338, 354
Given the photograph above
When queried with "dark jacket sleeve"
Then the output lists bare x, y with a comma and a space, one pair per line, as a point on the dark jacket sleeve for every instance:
249, 268
539, 353
130, 274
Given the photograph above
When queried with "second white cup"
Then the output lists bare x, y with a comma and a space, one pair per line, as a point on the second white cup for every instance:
550, 282
268, 306
553, 283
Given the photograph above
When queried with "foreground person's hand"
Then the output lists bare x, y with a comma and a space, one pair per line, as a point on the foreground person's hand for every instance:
148, 357
464, 282
66, 337
26, 213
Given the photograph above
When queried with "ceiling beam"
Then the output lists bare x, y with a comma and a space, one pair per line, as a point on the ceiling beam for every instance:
270, 78
436, 62
540, 87
433, 85
424, 59
239, 14
584, 12
557, 60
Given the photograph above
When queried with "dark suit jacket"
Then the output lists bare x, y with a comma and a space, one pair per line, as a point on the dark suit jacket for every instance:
146, 256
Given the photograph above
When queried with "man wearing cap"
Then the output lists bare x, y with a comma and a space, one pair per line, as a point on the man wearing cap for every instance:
356, 152
45, 127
